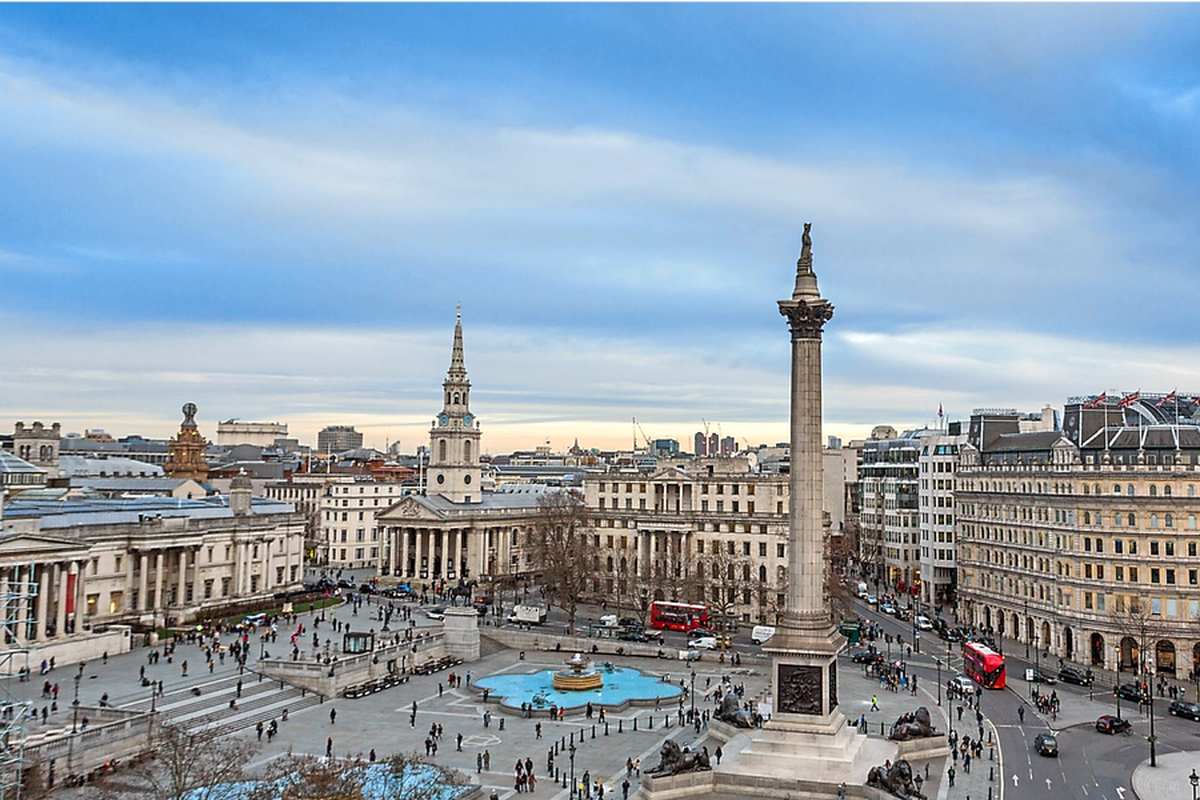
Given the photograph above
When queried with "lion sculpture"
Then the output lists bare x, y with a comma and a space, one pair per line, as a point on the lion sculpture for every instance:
674, 760
913, 725
897, 780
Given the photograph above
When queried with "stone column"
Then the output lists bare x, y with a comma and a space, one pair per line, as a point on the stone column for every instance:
159, 569
60, 601
403, 542
197, 585
72, 569
143, 580
20, 606
127, 594
454, 545
80, 595
39, 631
421, 533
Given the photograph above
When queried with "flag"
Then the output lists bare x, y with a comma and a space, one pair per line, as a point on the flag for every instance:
939, 409
1129, 399
1097, 401
1171, 398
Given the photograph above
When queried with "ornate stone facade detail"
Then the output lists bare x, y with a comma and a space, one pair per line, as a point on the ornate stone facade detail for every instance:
806, 321
186, 450
800, 689
833, 700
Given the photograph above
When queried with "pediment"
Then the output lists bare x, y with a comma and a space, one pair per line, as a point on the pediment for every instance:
408, 509
39, 544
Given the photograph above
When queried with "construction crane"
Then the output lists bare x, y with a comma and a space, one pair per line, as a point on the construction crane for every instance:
638, 429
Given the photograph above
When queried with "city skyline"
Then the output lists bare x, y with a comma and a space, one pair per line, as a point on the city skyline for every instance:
273, 211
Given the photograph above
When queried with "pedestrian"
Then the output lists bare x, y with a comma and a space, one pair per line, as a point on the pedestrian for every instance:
625, 789
329, 752
332, 716
371, 756
637, 768
950, 775
718, 754
875, 702
478, 763
1021, 714
184, 665
487, 760
460, 742
258, 729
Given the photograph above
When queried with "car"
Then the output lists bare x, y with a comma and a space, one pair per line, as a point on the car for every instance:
367, 588
1076, 676
887, 608
703, 643
1112, 725
1180, 708
630, 622
1129, 691
696, 633
924, 624
901, 613
628, 635
437, 612
872, 600
1045, 744
1036, 675
963, 684
866, 657
345, 583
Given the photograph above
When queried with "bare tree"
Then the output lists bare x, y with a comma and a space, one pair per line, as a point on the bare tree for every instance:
565, 551
184, 764
307, 777
840, 549
728, 576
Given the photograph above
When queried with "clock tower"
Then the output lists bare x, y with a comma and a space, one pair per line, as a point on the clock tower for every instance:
454, 438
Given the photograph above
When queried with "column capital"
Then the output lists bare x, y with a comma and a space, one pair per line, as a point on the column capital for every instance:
806, 319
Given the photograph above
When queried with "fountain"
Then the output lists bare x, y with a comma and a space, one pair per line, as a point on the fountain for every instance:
580, 675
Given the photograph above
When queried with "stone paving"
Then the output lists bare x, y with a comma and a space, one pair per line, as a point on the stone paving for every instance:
381, 721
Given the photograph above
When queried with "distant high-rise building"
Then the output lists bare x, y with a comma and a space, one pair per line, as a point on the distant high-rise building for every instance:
714, 445
728, 446
701, 445
338, 438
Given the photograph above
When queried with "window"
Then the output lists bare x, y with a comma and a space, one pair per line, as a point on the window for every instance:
1154, 548
762, 549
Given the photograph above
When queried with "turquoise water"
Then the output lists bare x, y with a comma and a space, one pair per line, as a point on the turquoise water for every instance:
620, 684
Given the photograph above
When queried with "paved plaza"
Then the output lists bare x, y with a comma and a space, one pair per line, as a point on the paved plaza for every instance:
381, 721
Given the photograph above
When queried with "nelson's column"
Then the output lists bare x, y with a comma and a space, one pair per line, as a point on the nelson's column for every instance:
806, 744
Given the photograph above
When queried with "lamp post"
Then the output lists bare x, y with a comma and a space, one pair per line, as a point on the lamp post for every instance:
1026, 623
938, 661
571, 752
1194, 779
1151, 738
693, 693
75, 702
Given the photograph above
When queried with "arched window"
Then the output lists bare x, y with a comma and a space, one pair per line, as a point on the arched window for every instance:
1086, 489
1132, 520
1192, 521
456, 398
610, 563
467, 451
1117, 519
1154, 520
442, 450
1169, 520
1191, 490
1087, 518
1153, 490
700, 571
1116, 488
1167, 491
1129, 490
762, 573
746, 573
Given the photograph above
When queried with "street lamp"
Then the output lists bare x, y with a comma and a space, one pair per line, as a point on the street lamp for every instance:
693, 693
938, 661
1026, 623
1194, 779
75, 702
571, 751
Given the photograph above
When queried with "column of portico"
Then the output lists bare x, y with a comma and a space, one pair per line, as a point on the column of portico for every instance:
404, 552
143, 580
453, 543
197, 592
127, 594
60, 604
80, 595
159, 569
39, 630
72, 569
420, 551
22, 609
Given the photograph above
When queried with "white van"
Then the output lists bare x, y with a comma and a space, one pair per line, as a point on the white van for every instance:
761, 633
862, 590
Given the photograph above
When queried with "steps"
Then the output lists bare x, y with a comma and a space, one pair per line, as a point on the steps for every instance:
204, 706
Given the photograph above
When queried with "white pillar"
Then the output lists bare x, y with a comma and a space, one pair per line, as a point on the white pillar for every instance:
80, 595
39, 631
158, 580
60, 602
404, 553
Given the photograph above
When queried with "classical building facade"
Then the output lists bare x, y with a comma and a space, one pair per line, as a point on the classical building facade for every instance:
712, 533
1084, 542
148, 562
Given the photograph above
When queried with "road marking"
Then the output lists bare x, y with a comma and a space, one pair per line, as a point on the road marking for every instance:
1016, 781
1047, 784
1121, 792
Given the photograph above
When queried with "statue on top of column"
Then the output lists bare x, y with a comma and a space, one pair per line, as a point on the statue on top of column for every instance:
806, 243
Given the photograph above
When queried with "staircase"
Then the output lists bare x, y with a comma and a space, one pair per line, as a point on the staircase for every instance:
204, 706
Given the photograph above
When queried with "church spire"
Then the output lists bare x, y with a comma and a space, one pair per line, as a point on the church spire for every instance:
458, 367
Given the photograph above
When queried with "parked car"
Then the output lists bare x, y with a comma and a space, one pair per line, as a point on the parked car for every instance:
437, 612
1180, 708
1112, 725
703, 643
924, 624
1076, 676
1129, 691
872, 600
1045, 744
630, 622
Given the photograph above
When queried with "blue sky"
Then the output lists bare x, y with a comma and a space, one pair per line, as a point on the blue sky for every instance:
272, 211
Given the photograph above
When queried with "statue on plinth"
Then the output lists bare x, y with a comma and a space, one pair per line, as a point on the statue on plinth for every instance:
674, 760
733, 713
896, 779
913, 725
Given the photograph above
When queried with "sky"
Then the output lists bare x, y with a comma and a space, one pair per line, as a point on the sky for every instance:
273, 211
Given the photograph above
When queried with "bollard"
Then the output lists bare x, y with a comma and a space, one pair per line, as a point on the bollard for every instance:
650, 722
606, 728
502, 723
556, 778
881, 731
991, 754
572, 737
635, 723
620, 726
593, 731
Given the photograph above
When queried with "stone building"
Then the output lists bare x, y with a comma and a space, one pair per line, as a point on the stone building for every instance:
1083, 542
338, 439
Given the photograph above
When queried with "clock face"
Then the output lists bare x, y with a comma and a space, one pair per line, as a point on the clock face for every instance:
467, 420
444, 420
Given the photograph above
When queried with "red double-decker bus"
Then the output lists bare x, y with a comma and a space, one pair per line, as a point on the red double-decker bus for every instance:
677, 616
984, 665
